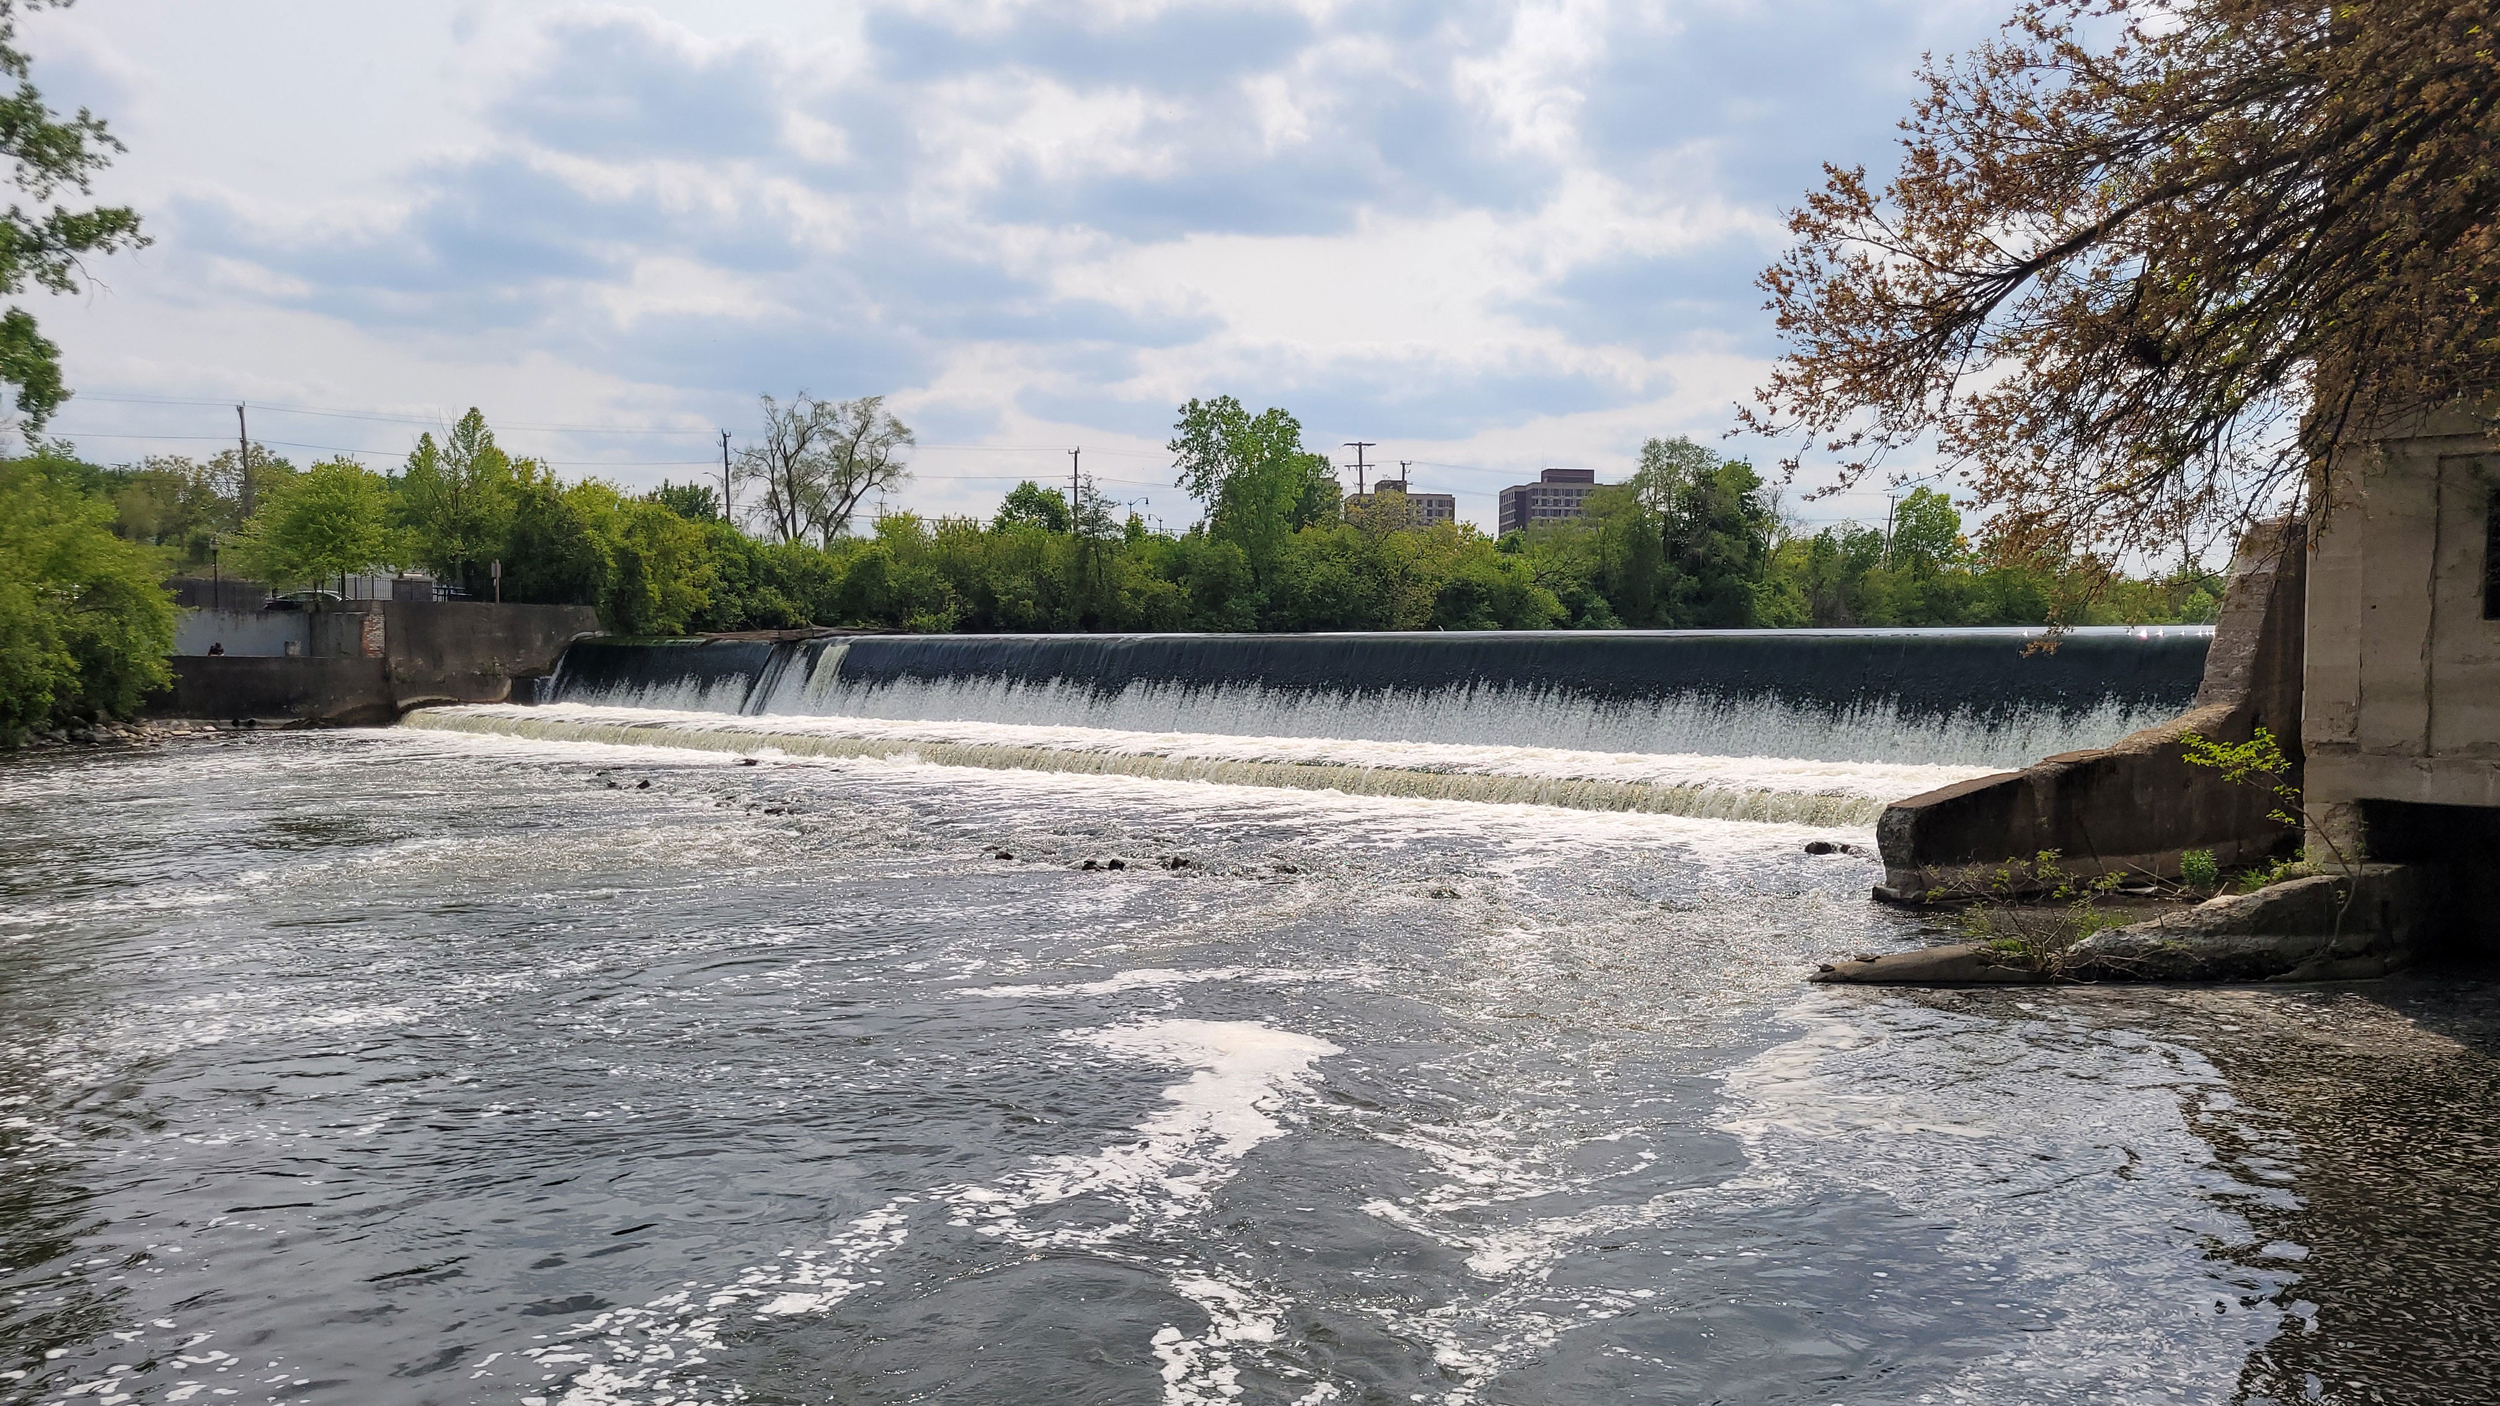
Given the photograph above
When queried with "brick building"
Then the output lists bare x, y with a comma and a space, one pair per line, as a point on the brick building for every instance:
1557, 494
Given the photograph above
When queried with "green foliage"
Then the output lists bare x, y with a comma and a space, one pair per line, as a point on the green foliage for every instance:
1029, 504
84, 624
695, 502
330, 519
1258, 483
2267, 875
456, 500
47, 246
2257, 762
2199, 869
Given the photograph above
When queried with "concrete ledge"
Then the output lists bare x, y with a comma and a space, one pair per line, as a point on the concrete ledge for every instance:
2302, 930
374, 660
2136, 806
2328, 927
335, 692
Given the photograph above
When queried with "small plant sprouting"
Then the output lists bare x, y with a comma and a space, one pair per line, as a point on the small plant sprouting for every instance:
2198, 868
2260, 762
2257, 762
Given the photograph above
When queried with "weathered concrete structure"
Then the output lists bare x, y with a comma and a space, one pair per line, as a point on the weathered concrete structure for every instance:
2133, 807
2403, 687
2402, 711
370, 661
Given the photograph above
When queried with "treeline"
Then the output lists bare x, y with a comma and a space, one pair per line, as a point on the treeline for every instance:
1693, 540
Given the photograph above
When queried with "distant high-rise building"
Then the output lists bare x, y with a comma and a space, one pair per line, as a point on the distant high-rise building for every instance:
1414, 509
1556, 494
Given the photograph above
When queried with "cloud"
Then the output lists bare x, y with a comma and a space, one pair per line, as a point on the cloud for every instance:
1459, 224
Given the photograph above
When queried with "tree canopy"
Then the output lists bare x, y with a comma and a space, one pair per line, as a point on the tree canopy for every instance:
48, 155
2145, 260
818, 461
85, 623
1252, 474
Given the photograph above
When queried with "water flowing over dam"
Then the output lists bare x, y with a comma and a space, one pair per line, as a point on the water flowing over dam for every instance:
1808, 726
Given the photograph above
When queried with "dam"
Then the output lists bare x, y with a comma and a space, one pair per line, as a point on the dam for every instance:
1810, 726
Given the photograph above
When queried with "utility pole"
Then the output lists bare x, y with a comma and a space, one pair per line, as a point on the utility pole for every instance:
728, 511
1358, 446
1072, 488
243, 460
1892, 504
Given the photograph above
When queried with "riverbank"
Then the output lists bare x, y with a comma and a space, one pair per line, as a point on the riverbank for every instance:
135, 732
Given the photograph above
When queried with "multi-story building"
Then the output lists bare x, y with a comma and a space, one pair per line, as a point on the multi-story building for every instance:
1391, 495
1557, 494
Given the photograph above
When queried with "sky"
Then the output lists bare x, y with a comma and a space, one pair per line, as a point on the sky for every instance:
1488, 238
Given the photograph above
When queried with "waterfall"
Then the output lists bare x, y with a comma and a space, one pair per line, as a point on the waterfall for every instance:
1819, 727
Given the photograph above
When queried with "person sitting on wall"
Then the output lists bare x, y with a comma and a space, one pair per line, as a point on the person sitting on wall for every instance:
216, 647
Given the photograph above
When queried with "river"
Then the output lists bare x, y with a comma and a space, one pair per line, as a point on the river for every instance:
600, 1053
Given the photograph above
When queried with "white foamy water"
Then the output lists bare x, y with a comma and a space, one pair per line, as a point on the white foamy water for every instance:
1758, 788
1871, 728
1241, 1075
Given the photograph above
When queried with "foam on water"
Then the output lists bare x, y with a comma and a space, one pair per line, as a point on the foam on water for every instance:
1241, 1072
1756, 788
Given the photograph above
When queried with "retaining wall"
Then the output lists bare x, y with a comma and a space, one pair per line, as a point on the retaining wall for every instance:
374, 660
2135, 806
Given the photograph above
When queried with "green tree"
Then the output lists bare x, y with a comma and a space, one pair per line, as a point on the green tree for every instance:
695, 502
555, 552
331, 519
1926, 534
663, 576
1029, 504
174, 503
456, 499
1256, 481
84, 623
48, 155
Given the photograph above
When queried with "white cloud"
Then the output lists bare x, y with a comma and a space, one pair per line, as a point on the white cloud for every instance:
1489, 235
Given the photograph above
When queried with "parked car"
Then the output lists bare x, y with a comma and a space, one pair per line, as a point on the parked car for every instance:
299, 600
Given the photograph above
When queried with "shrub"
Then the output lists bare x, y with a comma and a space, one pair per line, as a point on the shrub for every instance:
2197, 866
84, 625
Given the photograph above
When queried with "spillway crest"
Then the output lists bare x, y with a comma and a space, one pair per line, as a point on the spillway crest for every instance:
1809, 726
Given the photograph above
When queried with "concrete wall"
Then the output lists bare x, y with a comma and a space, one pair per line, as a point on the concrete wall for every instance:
2136, 806
472, 651
338, 692
371, 661
252, 632
2403, 680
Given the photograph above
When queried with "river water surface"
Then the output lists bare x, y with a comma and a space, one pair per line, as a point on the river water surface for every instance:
438, 1064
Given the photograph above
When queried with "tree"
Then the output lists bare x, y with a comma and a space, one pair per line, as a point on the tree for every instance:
695, 502
1029, 504
84, 624
47, 154
556, 553
331, 519
820, 459
1257, 482
1686, 542
2147, 260
1926, 533
456, 499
